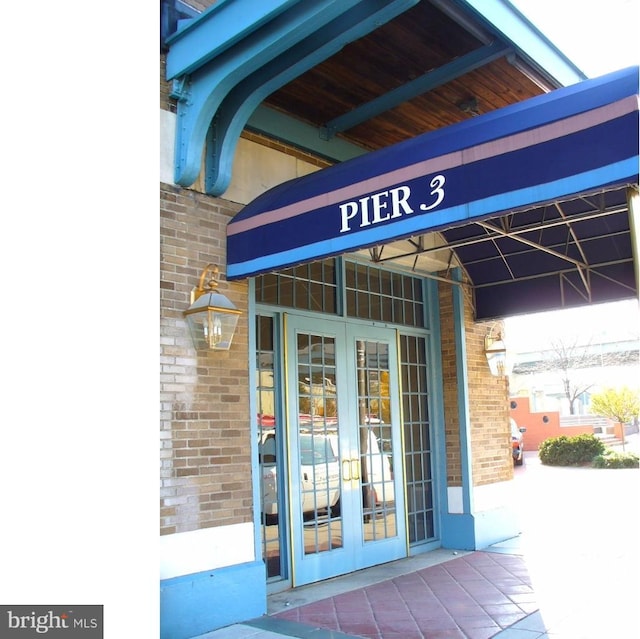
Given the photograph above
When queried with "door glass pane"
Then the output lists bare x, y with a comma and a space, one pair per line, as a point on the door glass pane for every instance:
270, 495
375, 442
417, 440
318, 444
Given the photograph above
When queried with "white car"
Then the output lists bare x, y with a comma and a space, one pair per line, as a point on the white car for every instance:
320, 472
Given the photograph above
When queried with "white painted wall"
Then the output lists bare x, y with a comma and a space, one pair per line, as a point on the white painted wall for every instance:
492, 496
167, 145
198, 550
485, 498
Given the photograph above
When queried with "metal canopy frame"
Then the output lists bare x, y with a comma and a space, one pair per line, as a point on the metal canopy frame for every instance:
510, 239
581, 247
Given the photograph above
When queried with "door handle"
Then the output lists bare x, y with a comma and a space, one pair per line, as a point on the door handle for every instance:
351, 469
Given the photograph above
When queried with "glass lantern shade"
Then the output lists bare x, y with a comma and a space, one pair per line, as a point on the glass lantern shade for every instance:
496, 353
212, 321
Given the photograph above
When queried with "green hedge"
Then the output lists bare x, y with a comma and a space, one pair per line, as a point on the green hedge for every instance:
613, 459
570, 451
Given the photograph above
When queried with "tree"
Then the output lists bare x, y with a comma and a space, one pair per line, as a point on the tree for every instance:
620, 405
565, 358
578, 363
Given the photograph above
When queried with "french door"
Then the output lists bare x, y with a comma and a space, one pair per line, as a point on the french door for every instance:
345, 451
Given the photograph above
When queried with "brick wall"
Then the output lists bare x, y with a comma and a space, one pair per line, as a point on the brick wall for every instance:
205, 432
491, 459
450, 386
488, 400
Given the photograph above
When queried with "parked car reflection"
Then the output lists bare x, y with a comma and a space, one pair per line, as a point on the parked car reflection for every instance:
320, 472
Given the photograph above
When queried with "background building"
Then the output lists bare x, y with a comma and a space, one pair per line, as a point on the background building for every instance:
557, 356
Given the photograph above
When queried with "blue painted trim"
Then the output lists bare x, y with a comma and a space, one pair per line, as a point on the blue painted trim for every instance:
418, 86
242, 101
458, 531
191, 605
436, 404
536, 48
480, 530
463, 393
253, 411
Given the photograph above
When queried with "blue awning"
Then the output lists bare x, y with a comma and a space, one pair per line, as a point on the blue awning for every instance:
555, 148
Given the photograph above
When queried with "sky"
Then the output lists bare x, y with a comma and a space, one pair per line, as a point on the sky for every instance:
595, 324
598, 37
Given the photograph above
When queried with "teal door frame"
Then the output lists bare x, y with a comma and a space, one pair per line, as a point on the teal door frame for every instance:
351, 551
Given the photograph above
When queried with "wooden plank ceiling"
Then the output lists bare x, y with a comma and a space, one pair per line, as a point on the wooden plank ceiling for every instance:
420, 40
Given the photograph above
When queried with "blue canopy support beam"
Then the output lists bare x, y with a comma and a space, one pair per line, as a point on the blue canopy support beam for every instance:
200, 93
238, 106
423, 84
284, 128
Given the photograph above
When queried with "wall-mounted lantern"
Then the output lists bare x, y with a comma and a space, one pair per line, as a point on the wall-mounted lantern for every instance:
496, 353
212, 318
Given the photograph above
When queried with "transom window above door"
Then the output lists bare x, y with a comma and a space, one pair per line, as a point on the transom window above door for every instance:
369, 292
